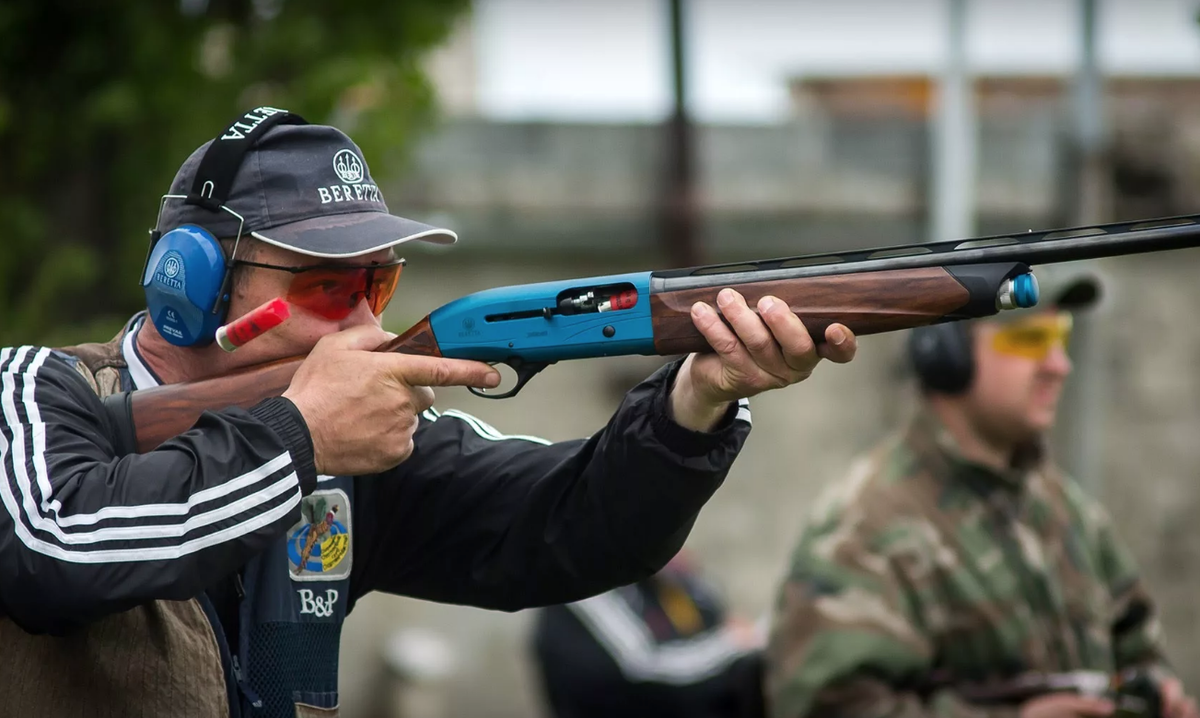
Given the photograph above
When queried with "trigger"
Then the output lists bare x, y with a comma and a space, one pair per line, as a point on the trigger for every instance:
525, 370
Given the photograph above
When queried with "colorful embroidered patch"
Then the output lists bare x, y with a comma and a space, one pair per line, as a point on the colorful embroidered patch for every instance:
318, 547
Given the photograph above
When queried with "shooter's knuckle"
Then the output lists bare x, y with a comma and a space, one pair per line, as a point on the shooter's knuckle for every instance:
803, 348
441, 374
405, 408
401, 448
779, 382
425, 399
406, 422
726, 345
759, 343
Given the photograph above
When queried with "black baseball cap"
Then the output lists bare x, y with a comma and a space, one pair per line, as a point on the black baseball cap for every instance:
305, 188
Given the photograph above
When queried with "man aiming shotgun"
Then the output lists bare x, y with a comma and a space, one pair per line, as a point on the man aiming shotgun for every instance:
209, 574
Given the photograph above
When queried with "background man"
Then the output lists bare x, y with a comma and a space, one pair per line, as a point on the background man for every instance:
957, 553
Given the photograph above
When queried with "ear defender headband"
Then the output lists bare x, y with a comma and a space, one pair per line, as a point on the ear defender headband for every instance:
187, 277
941, 357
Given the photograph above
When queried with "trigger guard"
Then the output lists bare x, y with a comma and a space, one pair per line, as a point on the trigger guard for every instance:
525, 372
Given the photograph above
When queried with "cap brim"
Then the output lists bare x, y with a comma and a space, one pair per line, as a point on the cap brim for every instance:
352, 234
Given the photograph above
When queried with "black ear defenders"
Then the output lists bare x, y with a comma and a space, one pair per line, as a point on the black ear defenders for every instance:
941, 356
187, 277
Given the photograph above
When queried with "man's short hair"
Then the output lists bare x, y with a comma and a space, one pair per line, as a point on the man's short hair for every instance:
247, 248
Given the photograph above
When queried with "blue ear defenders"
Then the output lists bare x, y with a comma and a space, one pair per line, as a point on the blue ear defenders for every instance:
184, 281
187, 276
941, 357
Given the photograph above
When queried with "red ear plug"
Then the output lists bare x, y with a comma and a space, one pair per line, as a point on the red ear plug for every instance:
253, 325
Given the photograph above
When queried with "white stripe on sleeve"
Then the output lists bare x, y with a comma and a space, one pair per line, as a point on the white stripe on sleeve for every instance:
489, 432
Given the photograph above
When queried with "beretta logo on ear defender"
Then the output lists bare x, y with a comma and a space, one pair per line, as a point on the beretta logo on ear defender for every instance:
169, 272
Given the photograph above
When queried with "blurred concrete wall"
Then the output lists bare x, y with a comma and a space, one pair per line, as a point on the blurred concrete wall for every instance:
803, 438
809, 185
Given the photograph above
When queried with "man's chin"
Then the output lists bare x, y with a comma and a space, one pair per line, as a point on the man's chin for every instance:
1040, 422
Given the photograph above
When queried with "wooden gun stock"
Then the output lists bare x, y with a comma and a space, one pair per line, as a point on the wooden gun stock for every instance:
867, 303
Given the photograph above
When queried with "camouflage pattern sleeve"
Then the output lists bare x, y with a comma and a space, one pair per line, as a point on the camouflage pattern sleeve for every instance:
1136, 631
846, 636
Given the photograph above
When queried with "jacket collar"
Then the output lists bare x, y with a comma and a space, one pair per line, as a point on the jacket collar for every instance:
935, 447
139, 371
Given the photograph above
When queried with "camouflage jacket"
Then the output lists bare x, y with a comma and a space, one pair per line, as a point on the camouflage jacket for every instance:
922, 569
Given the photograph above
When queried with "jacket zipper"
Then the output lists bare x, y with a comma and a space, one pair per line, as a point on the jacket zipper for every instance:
227, 658
245, 688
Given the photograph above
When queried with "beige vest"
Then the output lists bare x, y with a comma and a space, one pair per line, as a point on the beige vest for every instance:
159, 659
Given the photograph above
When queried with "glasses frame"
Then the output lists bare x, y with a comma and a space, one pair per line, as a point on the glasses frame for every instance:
293, 270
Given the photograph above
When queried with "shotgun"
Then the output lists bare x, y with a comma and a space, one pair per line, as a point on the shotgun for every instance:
531, 326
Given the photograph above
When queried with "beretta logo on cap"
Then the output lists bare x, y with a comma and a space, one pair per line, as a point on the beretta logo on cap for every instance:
351, 170
348, 166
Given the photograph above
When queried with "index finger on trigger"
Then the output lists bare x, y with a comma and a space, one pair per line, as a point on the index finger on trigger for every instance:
437, 371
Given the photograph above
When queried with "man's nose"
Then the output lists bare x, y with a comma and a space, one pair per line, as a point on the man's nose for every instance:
1057, 362
361, 315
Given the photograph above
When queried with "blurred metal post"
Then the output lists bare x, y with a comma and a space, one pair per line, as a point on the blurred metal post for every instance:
954, 136
677, 203
1088, 201
1092, 200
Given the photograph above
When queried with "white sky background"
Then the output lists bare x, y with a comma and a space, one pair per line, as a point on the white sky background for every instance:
608, 60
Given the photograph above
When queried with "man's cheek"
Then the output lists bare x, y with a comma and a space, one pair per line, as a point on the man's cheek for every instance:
303, 332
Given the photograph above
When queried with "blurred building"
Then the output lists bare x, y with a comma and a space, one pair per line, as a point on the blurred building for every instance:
813, 118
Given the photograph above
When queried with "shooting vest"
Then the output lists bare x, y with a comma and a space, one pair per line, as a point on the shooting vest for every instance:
170, 657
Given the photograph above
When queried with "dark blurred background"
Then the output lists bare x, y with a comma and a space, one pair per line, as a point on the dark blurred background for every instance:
566, 138
101, 102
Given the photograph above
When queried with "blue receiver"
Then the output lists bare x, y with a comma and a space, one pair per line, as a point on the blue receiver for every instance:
533, 325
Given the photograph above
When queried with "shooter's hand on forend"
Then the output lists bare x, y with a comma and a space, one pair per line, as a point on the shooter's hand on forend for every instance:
361, 405
756, 352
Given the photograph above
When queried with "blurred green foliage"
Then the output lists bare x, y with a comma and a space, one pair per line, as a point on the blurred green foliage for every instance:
101, 102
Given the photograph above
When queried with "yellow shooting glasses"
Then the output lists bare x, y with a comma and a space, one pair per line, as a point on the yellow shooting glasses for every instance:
1033, 337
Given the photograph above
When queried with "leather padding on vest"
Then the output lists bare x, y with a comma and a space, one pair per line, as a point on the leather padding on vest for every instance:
158, 659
